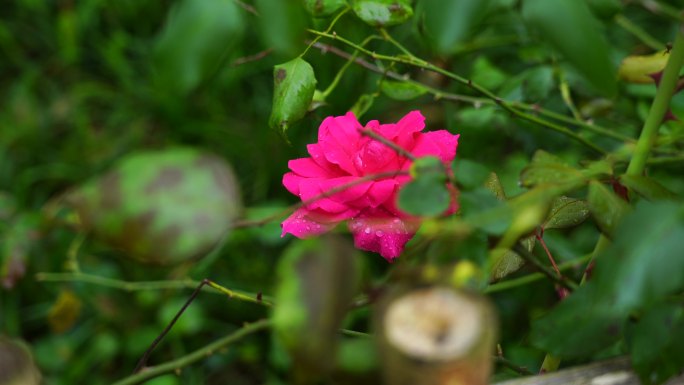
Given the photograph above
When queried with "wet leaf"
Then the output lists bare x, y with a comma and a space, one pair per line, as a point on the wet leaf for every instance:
317, 279
323, 8
570, 28
195, 36
647, 187
493, 184
548, 168
294, 86
446, 24
638, 68
401, 90
607, 208
383, 13
508, 263
470, 174
161, 207
566, 212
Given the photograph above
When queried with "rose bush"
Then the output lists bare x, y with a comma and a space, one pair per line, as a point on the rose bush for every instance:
343, 156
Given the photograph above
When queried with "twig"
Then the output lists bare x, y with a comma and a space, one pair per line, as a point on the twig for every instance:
562, 281
247, 59
247, 7
195, 356
399, 150
500, 360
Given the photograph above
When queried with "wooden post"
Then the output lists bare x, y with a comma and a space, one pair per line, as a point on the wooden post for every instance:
436, 336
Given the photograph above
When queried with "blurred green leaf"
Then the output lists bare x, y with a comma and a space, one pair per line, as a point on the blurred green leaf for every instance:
357, 355
655, 343
538, 83
641, 267
572, 30
161, 206
294, 86
486, 74
482, 209
383, 13
323, 8
470, 174
194, 39
398, 90
647, 187
493, 184
426, 194
607, 208
283, 25
566, 212
446, 23
317, 279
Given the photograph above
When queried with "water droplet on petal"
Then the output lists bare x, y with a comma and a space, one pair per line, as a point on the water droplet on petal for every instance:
379, 233
367, 230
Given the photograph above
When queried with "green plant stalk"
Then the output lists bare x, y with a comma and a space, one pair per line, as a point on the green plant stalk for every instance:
346, 65
660, 105
197, 355
533, 277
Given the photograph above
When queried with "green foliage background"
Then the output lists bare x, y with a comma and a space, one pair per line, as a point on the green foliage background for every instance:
85, 83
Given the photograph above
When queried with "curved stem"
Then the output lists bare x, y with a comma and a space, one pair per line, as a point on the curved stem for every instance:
197, 355
661, 103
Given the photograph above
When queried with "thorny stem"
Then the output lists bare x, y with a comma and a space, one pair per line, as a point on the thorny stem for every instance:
560, 280
419, 63
346, 65
399, 150
439, 94
330, 27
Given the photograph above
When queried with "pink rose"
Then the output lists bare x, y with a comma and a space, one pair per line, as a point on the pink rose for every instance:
342, 156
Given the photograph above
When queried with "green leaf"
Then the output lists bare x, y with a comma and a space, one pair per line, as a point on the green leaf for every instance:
294, 86
194, 39
401, 90
481, 209
655, 343
647, 187
358, 355
508, 263
317, 279
161, 206
493, 184
470, 174
566, 212
548, 168
324, 8
605, 9
383, 13
607, 208
570, 28
487, 74
283, 25
640, 268
424, 196
538, 83
446, 24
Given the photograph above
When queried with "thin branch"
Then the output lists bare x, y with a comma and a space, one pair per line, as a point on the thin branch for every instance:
251, 58
398, 149
197, 355
562, 281
419, 63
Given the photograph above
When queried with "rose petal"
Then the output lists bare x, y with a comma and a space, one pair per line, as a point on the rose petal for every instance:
441, 144
313, 188
381, 191
303, 223
308, 168
338, 137
379, 232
